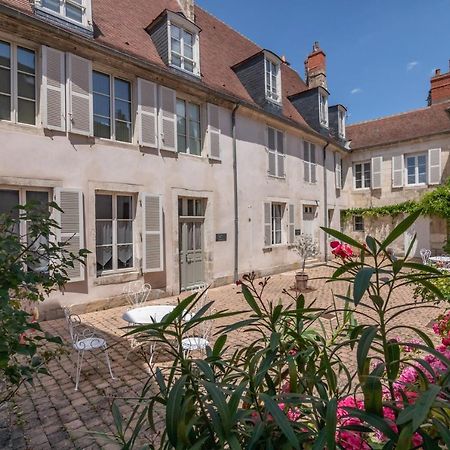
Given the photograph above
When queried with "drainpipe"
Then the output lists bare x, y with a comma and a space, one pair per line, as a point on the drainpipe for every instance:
325, 201
235, 192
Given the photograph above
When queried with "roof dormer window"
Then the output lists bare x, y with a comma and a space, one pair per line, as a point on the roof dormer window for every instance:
75, 11
341, 123
323, 109
273, 80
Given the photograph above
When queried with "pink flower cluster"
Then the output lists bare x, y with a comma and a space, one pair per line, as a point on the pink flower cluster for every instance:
442, 328
340, 250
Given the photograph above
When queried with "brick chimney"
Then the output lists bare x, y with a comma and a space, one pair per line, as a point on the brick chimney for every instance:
315, 68
188, 9
440, 87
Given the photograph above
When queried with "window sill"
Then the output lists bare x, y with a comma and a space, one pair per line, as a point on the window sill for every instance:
276, 177
113, 142
361, 190
269, 248
415, 186
117, 277
274, 102
190, 155
192, 74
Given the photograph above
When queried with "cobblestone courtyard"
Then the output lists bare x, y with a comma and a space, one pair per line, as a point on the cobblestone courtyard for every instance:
52, 415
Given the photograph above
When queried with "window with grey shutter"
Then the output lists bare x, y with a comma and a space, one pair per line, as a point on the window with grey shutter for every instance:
267, 224
71, 222
434, 166
313, 163
80, 107
338, 171
167, 119
147, 113
397, 171
53, 93
291, 231
214, 131
152, 233
376, 171
280, 155
275, 148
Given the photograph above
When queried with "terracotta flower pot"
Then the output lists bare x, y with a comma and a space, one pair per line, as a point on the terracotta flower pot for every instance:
301, 281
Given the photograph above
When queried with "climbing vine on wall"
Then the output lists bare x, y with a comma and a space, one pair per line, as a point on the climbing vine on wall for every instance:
433, 203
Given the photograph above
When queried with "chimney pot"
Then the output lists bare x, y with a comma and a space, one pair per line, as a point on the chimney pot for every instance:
283, 58
437, 72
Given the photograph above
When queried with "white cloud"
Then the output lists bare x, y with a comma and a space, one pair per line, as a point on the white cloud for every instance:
356, 91
411, 65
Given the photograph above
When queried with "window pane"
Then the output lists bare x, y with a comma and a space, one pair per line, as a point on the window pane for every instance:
122, 89
123, 131
51, 4
123, 110
102, 105
176, 46
175, 31
188, 52
100, 83
194, 146
26, 111
188, 38
26, 61
26, 86
104, 259
194, 112
124, 256
5, 54
189, 66
124, 232
190, 204
124, 207
176, 60
8, 200
39, 199
5, 81
102, 127
5, 107
181, 143
194, 129
103, 206
422, 163
271, 139
280, 142
103, 232
74, 12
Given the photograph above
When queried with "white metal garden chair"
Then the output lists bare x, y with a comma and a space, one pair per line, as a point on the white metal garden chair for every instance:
136, 293
85, 338
425, 255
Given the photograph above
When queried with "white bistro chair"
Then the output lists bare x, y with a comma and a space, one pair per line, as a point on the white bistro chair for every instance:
85, 339
136, 293
425, 255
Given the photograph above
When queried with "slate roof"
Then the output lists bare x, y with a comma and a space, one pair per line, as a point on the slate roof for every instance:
122, 27
406, 126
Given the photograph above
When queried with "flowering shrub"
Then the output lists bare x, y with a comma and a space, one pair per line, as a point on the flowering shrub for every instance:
290, 385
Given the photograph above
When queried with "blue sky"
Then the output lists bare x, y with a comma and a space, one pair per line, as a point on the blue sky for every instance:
380, 53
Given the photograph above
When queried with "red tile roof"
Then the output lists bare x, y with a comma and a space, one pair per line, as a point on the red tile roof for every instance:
423, 122
122, 27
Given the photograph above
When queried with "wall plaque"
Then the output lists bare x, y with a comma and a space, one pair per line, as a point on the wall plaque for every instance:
221, 237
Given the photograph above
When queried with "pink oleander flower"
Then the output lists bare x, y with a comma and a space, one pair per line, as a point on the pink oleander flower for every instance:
340, 250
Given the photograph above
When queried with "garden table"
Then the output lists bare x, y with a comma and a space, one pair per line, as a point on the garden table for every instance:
440, 259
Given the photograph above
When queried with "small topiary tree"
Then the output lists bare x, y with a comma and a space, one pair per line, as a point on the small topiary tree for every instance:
306, 247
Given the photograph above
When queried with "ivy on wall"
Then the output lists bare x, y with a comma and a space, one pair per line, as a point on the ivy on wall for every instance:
433, 203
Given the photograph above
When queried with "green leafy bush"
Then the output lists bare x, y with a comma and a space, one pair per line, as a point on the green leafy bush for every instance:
290, 385
31, 267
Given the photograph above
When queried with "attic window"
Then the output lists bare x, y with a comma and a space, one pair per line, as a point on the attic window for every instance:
273, 80
183, 49
75, 11
323, 109
341, 123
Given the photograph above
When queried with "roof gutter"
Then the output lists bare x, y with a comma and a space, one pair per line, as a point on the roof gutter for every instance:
159, 70
235, 193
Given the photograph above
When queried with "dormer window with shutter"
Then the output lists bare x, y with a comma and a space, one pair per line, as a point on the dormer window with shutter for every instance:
341, 123
323, 108
273, 80
76, 12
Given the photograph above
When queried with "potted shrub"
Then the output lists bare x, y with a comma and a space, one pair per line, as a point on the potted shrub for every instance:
306, 247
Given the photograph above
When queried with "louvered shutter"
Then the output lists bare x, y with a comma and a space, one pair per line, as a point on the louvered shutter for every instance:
167, 119
434, 166
152, 235
338, 171
214, 131
291, 229
306, 163
80, 108
313, 163
71, 222
376, 169
147, 113
280, 155
267, 224
271, 151
397, 171
53, 92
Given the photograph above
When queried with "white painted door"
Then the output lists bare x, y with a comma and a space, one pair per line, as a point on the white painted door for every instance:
421, 229
309, 220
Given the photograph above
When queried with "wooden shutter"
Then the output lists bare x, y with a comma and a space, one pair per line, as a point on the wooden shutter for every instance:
376, 169
338, 171
434, 166
152, 235
53, 92
271, 151
312, 148
71, 222
80, 109
214, 131
267, 224
167, 119
291, 227
147, 113
397, 171
280, 155
306, 163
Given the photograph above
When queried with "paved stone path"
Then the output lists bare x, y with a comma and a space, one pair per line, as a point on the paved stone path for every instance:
51, 415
